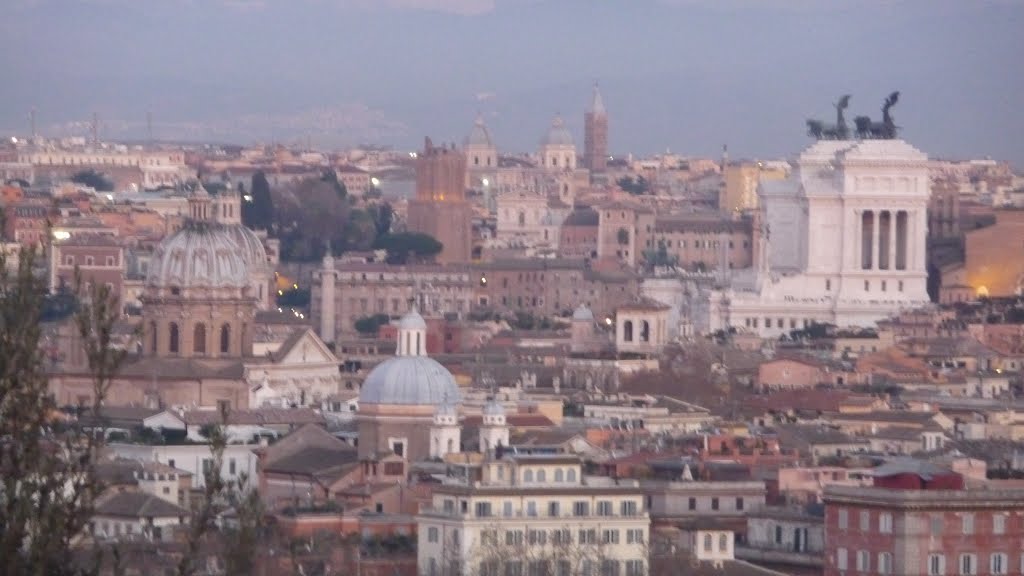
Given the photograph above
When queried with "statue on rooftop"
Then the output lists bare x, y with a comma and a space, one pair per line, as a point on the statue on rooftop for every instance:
884, 130
838, 131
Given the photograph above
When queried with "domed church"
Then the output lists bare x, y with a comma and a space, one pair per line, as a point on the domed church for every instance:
204, 285
400, 397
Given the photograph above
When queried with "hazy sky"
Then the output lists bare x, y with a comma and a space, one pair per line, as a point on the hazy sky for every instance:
688, 75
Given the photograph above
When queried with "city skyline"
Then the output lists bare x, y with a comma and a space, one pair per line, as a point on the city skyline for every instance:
688, 75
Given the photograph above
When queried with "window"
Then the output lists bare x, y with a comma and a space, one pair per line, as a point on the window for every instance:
553, 509
693, 503
199, 339
588, 536
109, 260
885, 523
559, 475
231, 467
627, 508
863, 561
723, 542
610, 537
968, 564
778, 534
69, 260
739, 503
968, 523
507, 509
999, 524
514, 538
841, 558
867, 286
936, 525
528, 476
883, 285
865, 520
89, 260
563, 536
635, 536
570, 476
531, 508
635, 568
541, 476
899, 285
604, 508
172, 344
609, 568
884, 563
432, 535
483, 509
936, 565
714, 503
514, 568
998, 563
581, 508
537, 537
828, 285
707, 542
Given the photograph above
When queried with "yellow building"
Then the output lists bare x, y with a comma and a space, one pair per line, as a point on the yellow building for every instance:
740, 190
534, 515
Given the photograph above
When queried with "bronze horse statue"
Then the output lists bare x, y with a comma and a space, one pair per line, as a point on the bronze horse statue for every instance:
838, 131
884, 130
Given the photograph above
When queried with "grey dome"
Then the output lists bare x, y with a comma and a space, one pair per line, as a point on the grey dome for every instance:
206, 255
415, 380
493, 408
583, 314
412, 321
480, 136
558, 134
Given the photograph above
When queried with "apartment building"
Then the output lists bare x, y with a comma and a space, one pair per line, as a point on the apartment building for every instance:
531, 515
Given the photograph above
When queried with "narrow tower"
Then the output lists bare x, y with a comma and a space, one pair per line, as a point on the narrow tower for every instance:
595, 138
328, 276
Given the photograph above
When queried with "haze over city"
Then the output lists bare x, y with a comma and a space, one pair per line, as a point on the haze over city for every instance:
685, 75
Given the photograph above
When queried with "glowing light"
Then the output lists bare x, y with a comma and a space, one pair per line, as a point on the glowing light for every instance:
608, 320
295, 286
280, 292
110, 197
486, 182
982, 292
247, 197
374, 182
412, 154
61, 234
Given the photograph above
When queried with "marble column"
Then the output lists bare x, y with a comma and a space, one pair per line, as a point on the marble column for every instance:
892, 239
876, 246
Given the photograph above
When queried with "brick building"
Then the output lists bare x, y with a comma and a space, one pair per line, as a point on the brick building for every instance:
918, 518
440, 208
704, 242
98, 258
578, 235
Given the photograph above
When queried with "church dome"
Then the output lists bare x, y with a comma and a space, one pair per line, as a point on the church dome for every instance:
493, 408
409, 380
412, 321
479, 136
205, 255
558, 134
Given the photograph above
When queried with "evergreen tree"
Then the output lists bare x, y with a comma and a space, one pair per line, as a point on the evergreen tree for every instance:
258, 213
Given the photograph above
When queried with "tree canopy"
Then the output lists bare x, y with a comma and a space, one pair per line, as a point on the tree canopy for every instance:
258, 206
635, 186
408, 247
94, 180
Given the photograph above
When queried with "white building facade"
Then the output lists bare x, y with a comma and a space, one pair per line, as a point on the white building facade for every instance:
841, 241
534, 515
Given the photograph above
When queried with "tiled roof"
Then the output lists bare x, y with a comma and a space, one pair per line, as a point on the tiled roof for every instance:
138, 505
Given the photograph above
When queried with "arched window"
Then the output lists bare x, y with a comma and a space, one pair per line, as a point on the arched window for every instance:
559, 475
225, 339
451, 446
707, 543
627, 330
172, 344
528, 476
152, 330
570, 476
645, 331
542, 476
723, 542
522, 218
419, 351
199, 339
